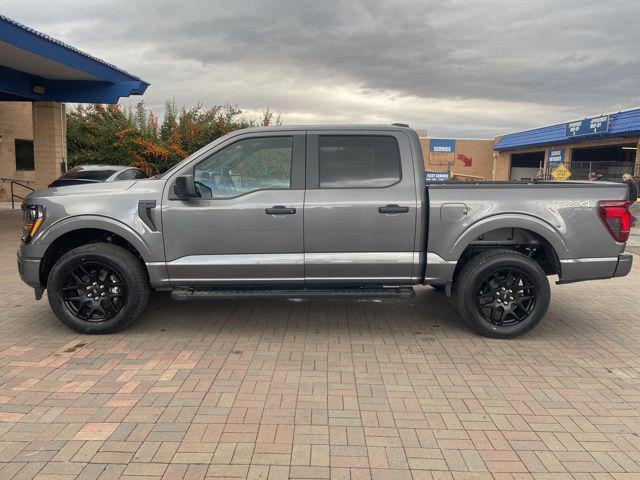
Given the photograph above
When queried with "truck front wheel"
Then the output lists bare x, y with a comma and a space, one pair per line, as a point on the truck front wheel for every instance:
98, 288
502, 293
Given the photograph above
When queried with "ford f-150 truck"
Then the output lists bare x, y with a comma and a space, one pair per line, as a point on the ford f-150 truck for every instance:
318, 211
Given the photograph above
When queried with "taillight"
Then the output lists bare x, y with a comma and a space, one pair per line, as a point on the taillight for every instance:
616, 217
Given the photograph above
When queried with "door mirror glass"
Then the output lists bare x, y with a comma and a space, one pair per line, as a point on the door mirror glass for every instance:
185, 187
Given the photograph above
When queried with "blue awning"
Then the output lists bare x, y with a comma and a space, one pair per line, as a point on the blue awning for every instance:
621, 124
35, 66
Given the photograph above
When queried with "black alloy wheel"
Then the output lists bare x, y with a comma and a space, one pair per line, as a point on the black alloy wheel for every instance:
502, 293
94, 292
98, 288
506, 297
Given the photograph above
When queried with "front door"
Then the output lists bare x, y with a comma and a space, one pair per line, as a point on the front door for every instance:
360, 208
246, 226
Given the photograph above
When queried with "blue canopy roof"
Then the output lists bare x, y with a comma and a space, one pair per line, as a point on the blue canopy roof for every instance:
621, 124
35, 66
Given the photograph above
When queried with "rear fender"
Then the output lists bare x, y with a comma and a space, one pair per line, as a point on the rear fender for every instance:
511, 220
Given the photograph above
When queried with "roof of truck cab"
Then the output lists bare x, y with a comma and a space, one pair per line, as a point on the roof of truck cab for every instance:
326, 128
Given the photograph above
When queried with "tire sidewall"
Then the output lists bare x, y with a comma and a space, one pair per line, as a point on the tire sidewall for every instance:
476, 276
58, 277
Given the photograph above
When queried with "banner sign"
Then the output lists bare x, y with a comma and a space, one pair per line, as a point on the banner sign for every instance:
431, 176
442, 146
556, 157
588, 126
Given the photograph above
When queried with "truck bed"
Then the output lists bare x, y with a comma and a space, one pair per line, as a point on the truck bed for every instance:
563, 214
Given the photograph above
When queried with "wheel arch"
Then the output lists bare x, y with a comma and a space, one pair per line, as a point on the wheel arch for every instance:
515, 221
530, 236
74, 232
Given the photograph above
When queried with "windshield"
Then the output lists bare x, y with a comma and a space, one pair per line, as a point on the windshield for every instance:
80, 173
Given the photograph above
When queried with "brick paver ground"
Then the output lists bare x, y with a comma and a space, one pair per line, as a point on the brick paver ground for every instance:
272, 389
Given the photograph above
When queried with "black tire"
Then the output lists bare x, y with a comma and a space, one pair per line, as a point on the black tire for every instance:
112, 274
502, 305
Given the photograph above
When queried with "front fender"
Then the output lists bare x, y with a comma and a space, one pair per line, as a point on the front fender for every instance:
79, 222
510, 220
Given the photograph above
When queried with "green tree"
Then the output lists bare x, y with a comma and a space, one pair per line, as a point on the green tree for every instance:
169, 120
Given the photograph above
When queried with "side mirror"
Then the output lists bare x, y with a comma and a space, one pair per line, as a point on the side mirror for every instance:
185, 187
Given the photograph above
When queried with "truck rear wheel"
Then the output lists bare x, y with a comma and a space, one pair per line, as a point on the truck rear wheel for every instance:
502, 293
98, 288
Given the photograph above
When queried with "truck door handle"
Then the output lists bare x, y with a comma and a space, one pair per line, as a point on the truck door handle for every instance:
393, 209
279, 210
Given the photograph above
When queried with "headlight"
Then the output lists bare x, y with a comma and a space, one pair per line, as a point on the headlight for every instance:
32, 218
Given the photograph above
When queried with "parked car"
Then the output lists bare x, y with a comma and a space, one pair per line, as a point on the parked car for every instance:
96, 174
313, 212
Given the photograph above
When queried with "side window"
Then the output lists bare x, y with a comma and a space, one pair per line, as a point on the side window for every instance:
137, 173
126, 175
245, 166
358, 161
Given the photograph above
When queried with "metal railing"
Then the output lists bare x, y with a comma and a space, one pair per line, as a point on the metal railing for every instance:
12, 184
612, 170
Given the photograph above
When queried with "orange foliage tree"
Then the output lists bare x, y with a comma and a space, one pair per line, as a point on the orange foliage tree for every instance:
111, 134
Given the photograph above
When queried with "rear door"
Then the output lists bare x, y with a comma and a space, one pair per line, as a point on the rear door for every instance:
360, 208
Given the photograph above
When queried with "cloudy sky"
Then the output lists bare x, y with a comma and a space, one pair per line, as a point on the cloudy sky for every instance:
464, 68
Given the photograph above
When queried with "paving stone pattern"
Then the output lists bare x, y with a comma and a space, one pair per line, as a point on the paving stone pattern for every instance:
344, 389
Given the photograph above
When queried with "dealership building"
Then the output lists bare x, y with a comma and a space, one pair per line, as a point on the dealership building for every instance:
605, 143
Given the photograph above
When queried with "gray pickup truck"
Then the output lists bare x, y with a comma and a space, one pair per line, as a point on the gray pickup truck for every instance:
318, 211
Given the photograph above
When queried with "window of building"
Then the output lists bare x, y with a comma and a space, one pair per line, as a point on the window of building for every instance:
358, 161
24, 155
246, 166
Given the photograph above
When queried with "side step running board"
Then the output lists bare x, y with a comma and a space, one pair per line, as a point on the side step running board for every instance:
216, 293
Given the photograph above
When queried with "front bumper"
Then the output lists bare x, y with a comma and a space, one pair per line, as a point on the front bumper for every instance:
29, 269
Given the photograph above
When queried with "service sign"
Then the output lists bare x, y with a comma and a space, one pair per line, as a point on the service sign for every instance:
431, 176
556, 157
588, 126
442, 146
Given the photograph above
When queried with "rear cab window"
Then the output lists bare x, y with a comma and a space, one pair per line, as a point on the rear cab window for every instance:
358, 161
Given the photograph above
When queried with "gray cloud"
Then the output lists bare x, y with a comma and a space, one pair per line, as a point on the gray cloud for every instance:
457, 67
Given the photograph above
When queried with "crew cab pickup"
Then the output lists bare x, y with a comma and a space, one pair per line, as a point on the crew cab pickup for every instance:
312, 212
